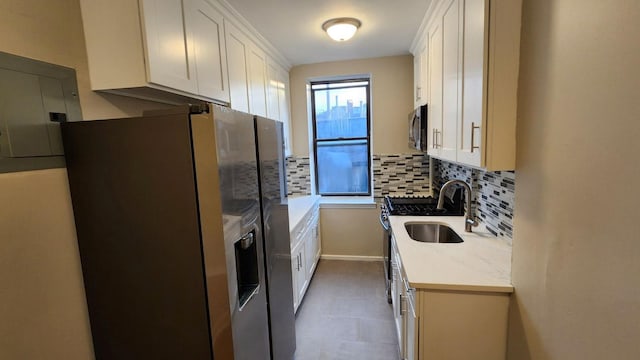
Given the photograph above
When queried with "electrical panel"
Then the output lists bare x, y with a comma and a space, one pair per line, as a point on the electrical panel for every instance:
35, 97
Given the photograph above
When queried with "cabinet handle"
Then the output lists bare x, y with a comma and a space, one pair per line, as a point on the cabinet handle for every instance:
473, 130
433, 138
402, 308
418, 92
438, 132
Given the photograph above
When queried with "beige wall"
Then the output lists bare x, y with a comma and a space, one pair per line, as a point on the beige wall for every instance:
391, 99
351, 231
43, 312
576, 247
355, 231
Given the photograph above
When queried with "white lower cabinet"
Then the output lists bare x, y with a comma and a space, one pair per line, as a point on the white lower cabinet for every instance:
403, 299
410, 323
305, 246
299, 273
396, 293
447, 324
312, 251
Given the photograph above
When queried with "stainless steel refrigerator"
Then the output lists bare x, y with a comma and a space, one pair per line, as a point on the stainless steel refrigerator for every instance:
275, 216
169, 222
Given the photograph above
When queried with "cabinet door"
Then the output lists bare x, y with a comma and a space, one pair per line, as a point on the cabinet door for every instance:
417, 79
310, 252
424, 64
410, 323
396, 295
168, 45
435, 89
420, 76
205, 26
313, 246
317, 239
294, 278
257, 81
471, 129
452, 79
283, 99
237, 49
273, 85
301, 273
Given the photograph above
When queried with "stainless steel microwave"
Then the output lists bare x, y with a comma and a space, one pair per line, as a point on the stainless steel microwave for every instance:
418, 128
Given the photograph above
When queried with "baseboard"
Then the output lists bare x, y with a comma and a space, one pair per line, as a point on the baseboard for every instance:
351, 257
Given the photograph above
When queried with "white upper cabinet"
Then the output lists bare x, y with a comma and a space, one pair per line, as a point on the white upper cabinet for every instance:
278, 98
470, 134
283, 100
237, 50
273, 84
163, 50
257, 81
451, 79
169, 46
434, 82
205, 30
258, 84
174, 51
474, 45
420, 76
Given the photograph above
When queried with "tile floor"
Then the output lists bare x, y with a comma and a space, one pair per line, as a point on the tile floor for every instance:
345, 314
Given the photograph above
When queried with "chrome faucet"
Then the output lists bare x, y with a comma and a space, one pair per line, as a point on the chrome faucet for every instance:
470, 219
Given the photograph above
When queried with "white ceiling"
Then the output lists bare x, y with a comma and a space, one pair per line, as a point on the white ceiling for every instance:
294, 27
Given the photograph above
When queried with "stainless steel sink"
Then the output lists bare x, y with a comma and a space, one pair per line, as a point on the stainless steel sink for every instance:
432, 233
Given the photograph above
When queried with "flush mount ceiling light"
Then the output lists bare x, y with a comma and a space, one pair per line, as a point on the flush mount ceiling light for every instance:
341, 29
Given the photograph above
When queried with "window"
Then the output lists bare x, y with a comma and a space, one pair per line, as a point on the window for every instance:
341, 137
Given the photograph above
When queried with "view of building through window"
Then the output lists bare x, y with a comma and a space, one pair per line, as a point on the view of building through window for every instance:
341, 130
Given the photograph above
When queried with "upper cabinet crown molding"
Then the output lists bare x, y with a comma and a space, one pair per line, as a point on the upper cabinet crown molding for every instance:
254, 35
420, 38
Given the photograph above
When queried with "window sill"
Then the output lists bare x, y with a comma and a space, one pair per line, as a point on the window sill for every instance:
347, 202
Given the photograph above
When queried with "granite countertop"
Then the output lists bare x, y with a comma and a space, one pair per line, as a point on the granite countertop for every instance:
299, 206
481, 263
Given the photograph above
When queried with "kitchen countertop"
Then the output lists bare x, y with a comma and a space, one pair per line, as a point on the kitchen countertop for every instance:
298, 207
481, 263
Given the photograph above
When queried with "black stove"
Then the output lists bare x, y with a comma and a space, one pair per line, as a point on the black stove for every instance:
408, 206
422, 205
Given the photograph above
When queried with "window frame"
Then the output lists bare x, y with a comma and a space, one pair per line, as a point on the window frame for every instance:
366, 138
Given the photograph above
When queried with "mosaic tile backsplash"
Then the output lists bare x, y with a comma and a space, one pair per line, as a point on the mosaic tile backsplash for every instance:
298, 176
408, 174
494, 194
393, 174
401, 174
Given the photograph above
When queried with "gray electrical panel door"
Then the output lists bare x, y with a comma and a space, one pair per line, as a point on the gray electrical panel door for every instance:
35, 97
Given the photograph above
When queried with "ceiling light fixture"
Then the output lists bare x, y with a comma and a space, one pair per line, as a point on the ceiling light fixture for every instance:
341, 29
